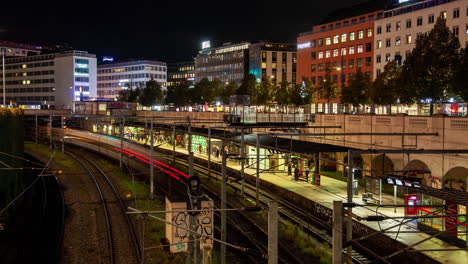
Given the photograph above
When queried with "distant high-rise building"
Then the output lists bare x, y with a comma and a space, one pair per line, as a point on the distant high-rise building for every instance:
179, 72
50, 80
14, 49
397, 30
274, 61
228, 63
231, 62
114, 77
343, 45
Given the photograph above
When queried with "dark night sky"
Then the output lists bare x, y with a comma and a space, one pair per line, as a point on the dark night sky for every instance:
165, 30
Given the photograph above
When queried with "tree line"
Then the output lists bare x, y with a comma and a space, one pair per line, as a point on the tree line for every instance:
435, 70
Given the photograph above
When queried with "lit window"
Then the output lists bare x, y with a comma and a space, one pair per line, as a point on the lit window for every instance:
25, 74
398, 25
23, 66
320, 42
397, 41
351, 36
327, 41
466, 31
343, 37
264, 65
320, 55
343, 51
360, 34
351, 50
387, 57
444, 14
408, 39
336, 39
359, 48
379, 44
369, 32
335, 52
327, 54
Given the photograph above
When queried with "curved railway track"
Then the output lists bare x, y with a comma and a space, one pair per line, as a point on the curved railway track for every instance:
122, 242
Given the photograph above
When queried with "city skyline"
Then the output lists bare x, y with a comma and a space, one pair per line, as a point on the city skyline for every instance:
153, 31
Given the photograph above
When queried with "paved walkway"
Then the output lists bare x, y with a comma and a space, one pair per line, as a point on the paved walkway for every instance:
332, 189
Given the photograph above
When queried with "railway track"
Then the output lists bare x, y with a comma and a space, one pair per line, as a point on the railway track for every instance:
288, 210
122, 243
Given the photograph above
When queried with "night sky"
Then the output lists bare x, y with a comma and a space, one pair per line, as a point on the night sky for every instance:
163, 30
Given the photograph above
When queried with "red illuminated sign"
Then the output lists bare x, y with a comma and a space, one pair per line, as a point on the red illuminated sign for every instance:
451, 222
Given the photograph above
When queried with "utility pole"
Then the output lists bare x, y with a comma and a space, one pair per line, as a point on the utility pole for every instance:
151, 162
223, 206
122, 125
36, 129
273, 232
242, 162
257, 182
50, 129
62, 123
349, 218
337, 257
209, 153
173, 145
4, 90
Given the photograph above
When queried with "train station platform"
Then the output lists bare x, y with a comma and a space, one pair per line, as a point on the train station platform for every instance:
330, 190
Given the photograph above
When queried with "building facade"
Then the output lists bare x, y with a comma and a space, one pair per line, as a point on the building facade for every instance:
180, 72
276, 61
50, 80
397, 30
343, 45
113, 77
228, 63
14, 49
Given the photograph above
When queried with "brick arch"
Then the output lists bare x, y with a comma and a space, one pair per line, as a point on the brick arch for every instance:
419, 168
387, 162
456, 178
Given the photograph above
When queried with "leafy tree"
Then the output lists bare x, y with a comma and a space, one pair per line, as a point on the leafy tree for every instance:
327, 88
296, 94
356, 91
229, 89
151, 94
182, 92
461, 77
282, 93
170, 95
308, 90
432, 64
198, 92
129, 94
263, 92
247, 86
384, 90
217, 88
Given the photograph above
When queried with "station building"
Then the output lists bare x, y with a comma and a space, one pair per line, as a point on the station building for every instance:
114, 77
398, 28
50, 80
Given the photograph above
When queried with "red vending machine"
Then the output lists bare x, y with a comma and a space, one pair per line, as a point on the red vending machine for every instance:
411, 199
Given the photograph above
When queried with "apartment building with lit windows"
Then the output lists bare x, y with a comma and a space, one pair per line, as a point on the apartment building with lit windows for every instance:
179, 72
345, 45
274, 61
397, 30
114, 77
50, 80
